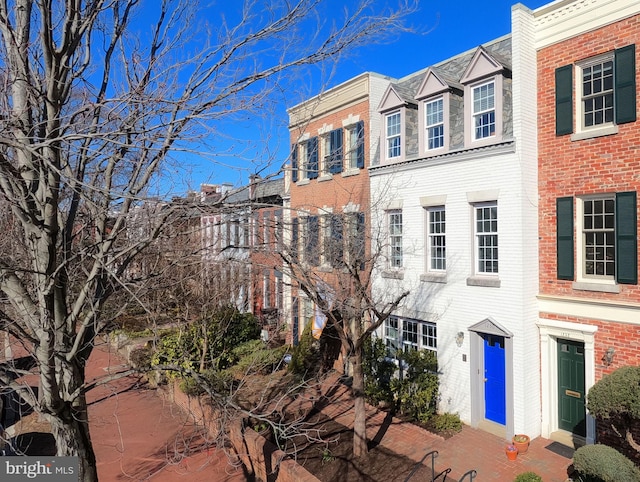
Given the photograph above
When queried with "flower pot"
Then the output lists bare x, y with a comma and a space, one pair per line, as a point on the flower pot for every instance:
511, 451
521, 442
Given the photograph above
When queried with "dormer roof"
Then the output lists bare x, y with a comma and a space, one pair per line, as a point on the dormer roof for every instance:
483, 64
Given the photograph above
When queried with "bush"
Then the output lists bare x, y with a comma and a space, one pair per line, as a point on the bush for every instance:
528, 477
378, 372
225, 330
259, 360
447, 422
616, 394
600, 463
416, 394
305, 359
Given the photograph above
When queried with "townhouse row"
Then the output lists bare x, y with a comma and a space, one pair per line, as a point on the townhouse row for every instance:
497, 187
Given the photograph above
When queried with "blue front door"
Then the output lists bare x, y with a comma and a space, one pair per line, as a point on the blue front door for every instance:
494, 379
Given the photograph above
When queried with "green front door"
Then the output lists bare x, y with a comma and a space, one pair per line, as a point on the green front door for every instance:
571, 393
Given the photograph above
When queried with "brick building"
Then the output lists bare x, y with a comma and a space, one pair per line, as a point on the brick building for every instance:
589, 174
334, 137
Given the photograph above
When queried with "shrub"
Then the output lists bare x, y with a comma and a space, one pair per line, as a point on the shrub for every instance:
447, 422
225, 330
528, 477
378, 372
616, 394
600, 463
416, 394
259, 360
305, 359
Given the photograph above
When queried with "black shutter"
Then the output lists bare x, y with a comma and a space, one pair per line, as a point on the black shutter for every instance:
312, 158
294, 240
360, 145
360, 242
564, 100
626, 238
313, 228
564, 237
294, 162
625, 88
335, 166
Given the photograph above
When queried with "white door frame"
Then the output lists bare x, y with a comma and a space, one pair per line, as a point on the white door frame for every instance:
550, 331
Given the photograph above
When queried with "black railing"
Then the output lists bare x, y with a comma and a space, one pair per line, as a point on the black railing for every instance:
434, 453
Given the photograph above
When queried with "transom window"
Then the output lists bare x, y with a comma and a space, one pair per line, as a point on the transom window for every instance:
598, 230
486, 238
597, 92
484, 113
395, 238
434, 111
393, 135
436, 227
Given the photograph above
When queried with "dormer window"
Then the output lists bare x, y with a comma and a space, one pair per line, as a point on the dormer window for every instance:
394, 134
484, 110
434, 111
485, 85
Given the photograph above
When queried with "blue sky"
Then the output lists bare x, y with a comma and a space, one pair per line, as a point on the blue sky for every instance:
443, 28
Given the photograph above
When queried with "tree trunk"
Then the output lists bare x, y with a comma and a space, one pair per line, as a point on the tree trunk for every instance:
360, 447
70, 428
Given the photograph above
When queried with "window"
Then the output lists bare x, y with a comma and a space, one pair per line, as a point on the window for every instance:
395, 238
391, 336
606, 226
597, 92
266, 229
415, 335
436, 244
486, 238
606, 94
598, 232
333, 240
393, 135
355, 239
266, 289
354, 156
311, 238
434, 112
332, 152
409, 335
484, 113
304, 160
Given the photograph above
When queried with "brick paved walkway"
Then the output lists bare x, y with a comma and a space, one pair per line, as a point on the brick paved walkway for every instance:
469, 449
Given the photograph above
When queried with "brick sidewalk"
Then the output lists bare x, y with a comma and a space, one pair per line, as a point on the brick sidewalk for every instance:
467, 450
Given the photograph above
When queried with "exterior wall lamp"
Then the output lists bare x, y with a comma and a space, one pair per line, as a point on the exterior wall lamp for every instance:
459, 338
608, 356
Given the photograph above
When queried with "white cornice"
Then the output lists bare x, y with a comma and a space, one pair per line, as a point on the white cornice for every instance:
564, 19
593, 309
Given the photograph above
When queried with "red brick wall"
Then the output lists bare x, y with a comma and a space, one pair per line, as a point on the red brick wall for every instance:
599, 165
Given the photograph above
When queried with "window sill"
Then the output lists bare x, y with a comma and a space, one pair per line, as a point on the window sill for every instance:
350, 172
488, 281
325, 177
393, 274
595, 132
594, 286
433, 277
325, 268
303, 182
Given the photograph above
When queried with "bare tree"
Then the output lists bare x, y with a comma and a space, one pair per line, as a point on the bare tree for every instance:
95, 99
343, 295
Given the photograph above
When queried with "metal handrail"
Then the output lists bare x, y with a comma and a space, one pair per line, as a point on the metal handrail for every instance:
472, 475
434, 454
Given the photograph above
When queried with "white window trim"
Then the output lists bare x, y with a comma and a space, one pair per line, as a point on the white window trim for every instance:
430, 236
390, 264
385, 145
582, 132
584, 281
422, 124
350, 130
400, 341
469, 131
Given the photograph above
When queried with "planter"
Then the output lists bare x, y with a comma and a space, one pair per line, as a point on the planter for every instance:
511, 451
521, 442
